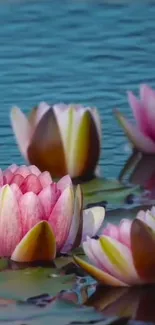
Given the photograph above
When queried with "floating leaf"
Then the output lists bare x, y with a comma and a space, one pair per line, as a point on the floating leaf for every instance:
117, 195
100, 184
63, 261
22, 284
4, 263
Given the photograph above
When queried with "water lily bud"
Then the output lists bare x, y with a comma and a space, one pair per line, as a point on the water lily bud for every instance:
62, 139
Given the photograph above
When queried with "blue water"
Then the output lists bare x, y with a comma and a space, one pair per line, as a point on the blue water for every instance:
90, 52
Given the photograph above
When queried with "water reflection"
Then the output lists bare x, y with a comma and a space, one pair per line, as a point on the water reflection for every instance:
137, 302
139, 169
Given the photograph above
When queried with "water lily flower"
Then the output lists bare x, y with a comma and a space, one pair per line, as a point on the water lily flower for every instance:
39, 218
124, 255
142, 136
62, 139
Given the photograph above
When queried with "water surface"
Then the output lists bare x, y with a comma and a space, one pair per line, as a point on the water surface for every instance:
86, 51
75, 51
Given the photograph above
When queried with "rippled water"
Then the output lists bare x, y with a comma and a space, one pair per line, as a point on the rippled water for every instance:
75, 51
88, 51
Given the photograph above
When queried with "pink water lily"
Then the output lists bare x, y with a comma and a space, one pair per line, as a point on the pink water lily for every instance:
142, 136
124, 255
39, 218
63, 139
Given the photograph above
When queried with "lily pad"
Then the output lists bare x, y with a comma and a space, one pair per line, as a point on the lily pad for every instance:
100, 184
63, 261
4, 263
22, 284
67, 265
118, 195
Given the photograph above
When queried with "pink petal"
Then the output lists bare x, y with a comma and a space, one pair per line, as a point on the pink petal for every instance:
146, 93
121, 232
17, 179
93, 250
117, 259
10, 226
148, 218
138, 112
16, 190
45, 179
34, 170
148, 99
31, 183
31, 211
64, 182
92, 221
48, 198
43, 107
23, 171
124, 232
1, 178
88, 251
137, 138
22, 129
7, 176
111, 231
61, 217
141, 215
101, 258
13, 168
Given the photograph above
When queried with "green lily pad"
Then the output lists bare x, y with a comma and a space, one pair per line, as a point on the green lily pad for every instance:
115, 195
62, 261
100, 184
4, 263
22, 284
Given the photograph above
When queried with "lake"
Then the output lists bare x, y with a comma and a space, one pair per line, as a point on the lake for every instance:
83, 51
73, 51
